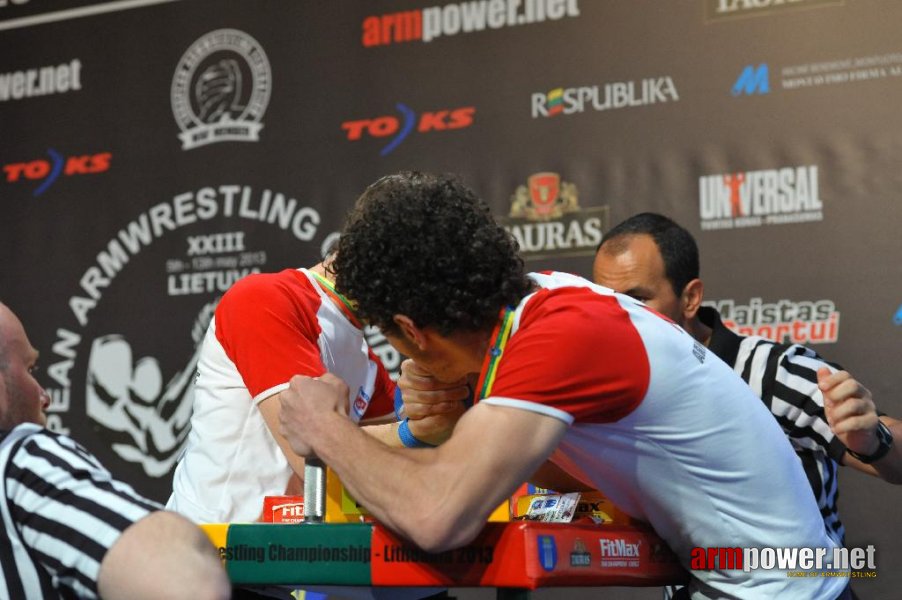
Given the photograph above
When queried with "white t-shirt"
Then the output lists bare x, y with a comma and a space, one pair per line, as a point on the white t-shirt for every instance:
267, 328
665, 429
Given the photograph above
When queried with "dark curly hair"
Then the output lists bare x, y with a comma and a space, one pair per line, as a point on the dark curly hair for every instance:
425, 246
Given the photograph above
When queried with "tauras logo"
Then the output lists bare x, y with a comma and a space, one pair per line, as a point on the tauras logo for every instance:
619, 548
546, 220
755, 198
220, 89
720, 9
40, 81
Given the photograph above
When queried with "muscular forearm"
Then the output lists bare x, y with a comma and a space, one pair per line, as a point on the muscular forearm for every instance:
387, 433
437, 497
405, 492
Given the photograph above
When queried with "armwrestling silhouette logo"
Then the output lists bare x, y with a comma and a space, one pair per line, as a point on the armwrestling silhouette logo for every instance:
146, 414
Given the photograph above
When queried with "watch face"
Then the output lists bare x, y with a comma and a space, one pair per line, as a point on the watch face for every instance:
883, 432
885, 441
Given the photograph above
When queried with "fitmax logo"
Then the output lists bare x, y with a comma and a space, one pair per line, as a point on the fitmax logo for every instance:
753, 80
400, 128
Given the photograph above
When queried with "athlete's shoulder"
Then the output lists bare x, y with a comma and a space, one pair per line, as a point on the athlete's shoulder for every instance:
262, 289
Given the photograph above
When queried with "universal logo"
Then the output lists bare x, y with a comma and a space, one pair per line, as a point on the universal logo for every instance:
220, 89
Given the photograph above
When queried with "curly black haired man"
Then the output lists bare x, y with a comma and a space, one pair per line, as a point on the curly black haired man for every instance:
614, 394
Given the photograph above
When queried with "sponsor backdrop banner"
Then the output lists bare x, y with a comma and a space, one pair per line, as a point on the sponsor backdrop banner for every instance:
155, 151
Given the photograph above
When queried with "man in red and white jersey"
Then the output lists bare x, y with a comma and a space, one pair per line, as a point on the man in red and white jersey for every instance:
606, 389
266, 328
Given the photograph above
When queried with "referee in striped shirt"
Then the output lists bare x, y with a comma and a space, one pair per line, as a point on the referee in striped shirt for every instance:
71, 529
829, 418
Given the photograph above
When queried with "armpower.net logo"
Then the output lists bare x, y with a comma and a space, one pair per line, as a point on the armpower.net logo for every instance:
427, 24
797, 562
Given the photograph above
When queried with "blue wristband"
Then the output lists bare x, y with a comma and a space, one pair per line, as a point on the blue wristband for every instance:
399, 402
408, 439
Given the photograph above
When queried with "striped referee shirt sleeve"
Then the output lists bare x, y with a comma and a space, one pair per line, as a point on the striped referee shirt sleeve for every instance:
62, 511
785, 378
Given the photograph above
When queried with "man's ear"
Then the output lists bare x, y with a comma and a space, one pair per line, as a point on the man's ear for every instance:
692, 297
410, 330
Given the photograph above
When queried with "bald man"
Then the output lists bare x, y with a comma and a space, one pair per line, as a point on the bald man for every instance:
71, 529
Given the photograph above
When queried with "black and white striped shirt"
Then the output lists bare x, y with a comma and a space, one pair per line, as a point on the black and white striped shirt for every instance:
62, 511
784, 376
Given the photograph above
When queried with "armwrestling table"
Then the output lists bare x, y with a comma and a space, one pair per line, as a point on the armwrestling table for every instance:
514, 557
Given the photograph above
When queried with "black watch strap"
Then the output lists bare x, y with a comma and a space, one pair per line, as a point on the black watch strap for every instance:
885, 441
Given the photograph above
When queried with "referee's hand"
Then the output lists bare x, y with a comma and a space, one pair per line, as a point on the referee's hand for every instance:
850, 410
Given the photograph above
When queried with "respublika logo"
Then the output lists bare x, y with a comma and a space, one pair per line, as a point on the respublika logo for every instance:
756, 198
40, 81
724, 9
47, 172
427, 24
546, 220
220, 89
783, 321
609, 96
401, 127
753, 80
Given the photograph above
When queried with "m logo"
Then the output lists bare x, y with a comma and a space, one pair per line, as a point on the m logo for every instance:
752, 80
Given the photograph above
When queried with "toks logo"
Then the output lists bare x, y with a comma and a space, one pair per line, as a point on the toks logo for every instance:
400, 128
58, 165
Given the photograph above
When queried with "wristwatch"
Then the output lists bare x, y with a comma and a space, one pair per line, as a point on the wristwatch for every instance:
885, 442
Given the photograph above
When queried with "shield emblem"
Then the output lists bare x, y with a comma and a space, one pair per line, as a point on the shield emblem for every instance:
544, 189
547, 549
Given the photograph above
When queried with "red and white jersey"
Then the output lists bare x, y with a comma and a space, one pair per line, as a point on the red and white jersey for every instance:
267, 328
665, 429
